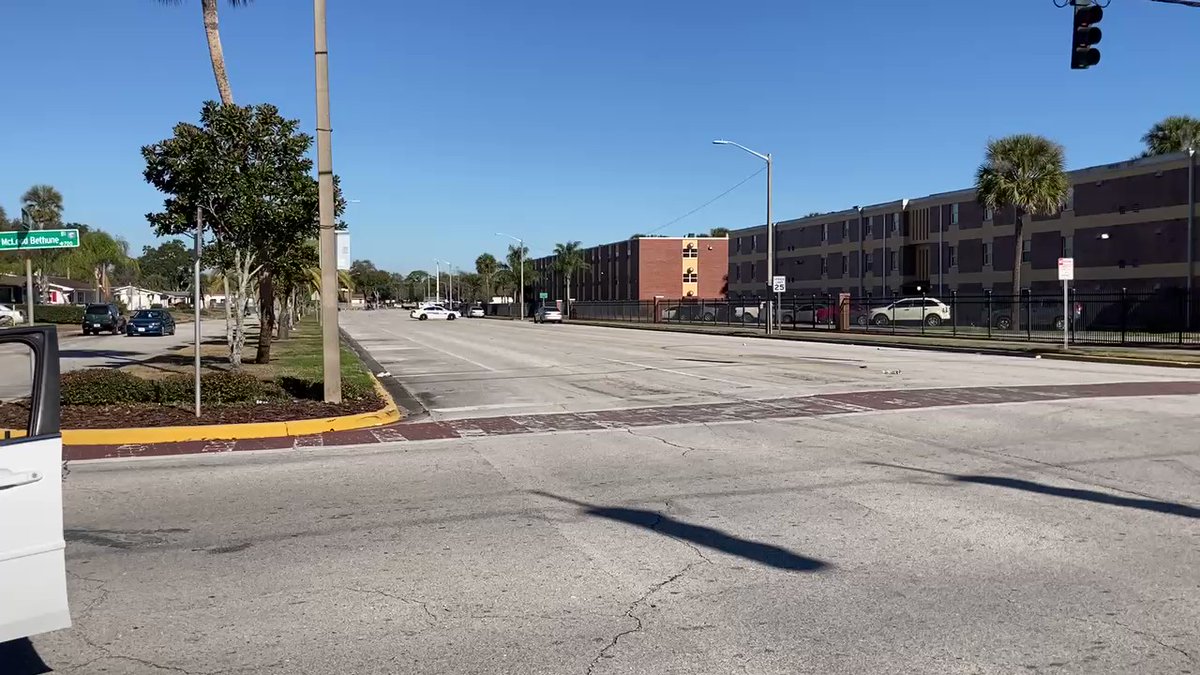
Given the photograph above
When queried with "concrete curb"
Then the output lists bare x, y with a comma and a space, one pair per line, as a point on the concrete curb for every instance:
398, 394
1031, 352
388, 414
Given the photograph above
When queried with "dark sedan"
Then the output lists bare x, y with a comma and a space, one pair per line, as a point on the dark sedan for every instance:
151, 322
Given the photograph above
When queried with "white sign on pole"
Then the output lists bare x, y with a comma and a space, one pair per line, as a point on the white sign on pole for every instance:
1066, 269
779, 284
343, 250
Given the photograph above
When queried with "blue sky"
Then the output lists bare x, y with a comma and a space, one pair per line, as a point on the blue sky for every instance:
560, 120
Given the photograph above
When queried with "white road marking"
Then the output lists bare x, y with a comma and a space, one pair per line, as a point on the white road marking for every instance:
493, 406
443, 351
678, 372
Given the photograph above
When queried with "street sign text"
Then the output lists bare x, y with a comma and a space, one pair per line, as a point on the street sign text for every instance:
28, 240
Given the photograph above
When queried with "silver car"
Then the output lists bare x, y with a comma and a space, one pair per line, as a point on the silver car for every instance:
545, 314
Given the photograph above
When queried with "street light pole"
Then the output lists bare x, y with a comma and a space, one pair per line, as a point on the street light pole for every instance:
521, 264
330, 340
770, 231
437, 280
1191, 236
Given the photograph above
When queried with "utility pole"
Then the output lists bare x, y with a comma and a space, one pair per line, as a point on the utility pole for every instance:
330, 340
1191, 235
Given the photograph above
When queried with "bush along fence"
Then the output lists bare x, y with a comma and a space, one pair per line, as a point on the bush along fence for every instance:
1160, 318
106, 386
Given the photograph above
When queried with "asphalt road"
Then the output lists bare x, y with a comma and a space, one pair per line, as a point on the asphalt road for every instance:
473, 367
1058, 536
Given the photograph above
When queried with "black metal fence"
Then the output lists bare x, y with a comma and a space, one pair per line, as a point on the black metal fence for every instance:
1162, 318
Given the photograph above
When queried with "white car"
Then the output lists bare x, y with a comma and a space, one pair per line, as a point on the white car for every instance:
476, 313
930, 311
433, 312
547, 314
10, 316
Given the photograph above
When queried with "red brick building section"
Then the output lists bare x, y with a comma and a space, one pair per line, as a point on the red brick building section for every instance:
643, 269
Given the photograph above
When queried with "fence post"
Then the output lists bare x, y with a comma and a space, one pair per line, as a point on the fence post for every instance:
988, 310
892, 305
1124, 316
1072, 319
922, 312
867, 313
1183, 314
1028, 295
954, 312
828, 310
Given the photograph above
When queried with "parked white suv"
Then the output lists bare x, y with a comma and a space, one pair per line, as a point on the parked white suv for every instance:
930, 311
10, 316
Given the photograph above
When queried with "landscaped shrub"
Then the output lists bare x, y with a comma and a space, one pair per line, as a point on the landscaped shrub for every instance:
230, 387
176, 389
104, 386
65, 314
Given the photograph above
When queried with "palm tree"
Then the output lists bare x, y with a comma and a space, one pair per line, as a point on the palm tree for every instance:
1177, 133
41, 209
414, 281
486, 267
100, 254
213, 33
568, 259
1025, 172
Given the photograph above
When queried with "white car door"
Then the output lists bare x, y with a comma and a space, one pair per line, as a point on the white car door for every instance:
906, 311
33, 582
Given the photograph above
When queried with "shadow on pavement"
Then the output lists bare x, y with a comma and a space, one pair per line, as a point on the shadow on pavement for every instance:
1172, 508
19, 657
766, 554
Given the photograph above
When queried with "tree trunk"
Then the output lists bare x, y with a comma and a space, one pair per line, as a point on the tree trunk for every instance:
215, 53
1018, 235
266, 314
229, 321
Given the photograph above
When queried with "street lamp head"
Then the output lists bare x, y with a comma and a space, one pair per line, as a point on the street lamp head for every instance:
721, 142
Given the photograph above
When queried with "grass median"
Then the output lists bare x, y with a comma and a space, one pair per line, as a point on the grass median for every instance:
159, 390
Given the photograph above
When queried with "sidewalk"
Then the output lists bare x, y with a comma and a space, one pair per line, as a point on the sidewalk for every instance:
1179, 357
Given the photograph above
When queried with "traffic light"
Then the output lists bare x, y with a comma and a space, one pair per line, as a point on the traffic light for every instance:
1085, 35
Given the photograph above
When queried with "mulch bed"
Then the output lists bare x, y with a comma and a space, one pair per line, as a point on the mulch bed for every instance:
16, 415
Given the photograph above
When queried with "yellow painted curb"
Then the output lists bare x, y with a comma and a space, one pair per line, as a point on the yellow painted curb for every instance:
388, 414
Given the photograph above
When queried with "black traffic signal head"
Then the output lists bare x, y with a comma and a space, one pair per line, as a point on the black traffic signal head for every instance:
1085, 34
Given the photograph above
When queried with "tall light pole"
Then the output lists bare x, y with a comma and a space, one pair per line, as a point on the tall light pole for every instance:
330, 340
521, 264
770, 226
437, 277
1191, 237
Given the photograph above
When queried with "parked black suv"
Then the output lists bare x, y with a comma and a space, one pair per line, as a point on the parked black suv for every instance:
99, 318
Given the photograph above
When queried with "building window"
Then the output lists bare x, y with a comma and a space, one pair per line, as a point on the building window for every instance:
1070, 205
737, 273
952, 256
1026, 246
891, 261
753, 243
753, 276
845, 265
691, 252
824, 265
987, 253
1068, 246
894, 224
954, 214
845, 230
824, 231
866, 262
690, 277
988, 213
866, 227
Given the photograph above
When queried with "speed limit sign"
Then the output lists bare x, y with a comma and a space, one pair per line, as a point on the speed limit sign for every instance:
779, 284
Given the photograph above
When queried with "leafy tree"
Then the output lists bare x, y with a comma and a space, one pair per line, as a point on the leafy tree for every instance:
1024, 172
215, 53
247, 169
1176, 133
170, 261
99, 256
293, 276
486, 267
719, 232
568, 261
415, 283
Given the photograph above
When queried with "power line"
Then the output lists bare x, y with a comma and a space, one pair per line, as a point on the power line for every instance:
1189, 3
705, 204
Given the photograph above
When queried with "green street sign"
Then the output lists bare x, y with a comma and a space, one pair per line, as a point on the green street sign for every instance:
28, 240
543, 295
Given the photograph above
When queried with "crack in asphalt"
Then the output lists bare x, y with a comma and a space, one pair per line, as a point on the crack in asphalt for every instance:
1157, 640
685, 448
629, 611
432, 618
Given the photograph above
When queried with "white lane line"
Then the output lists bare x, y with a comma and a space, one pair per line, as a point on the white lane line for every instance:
678, 372
493, 406
443, 351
